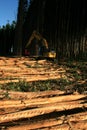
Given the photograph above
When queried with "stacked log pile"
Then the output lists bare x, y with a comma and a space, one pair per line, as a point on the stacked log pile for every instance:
48, 110
26, 69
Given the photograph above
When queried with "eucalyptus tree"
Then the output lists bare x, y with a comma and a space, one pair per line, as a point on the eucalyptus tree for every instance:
62, 22
22, 6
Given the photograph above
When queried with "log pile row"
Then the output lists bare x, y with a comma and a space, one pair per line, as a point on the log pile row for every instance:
49, 110
26, 69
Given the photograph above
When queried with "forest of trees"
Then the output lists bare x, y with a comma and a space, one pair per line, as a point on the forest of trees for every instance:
62, 22
7, 33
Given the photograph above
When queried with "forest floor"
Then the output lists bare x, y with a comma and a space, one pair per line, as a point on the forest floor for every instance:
50, 95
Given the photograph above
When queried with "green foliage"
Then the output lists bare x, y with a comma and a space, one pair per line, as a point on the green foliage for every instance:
7, 38
37, 85
6, 95
17, 86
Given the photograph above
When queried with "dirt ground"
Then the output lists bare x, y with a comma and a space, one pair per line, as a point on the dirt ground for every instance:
52, 109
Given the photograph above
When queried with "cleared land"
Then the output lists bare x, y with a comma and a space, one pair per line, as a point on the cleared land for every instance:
59, 100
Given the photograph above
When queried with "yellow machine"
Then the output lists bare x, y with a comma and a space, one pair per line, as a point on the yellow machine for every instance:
39, 48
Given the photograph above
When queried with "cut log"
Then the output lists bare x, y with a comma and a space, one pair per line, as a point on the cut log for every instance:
66, 98
37, 125
37, 112
56, 127
31, 95
9, 106
44, 110
61, 122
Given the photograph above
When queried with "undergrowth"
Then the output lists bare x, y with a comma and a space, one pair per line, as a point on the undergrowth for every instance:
55, 84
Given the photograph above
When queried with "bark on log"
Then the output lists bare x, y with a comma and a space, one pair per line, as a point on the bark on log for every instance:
66, 98
33, 104
9, 106
37, 112
38, 125
31, 95
55, 123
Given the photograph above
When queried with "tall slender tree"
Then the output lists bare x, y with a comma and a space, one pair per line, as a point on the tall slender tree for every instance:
22, 5
62, 22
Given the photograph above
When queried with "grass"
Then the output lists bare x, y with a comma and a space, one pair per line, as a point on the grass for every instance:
56, 84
